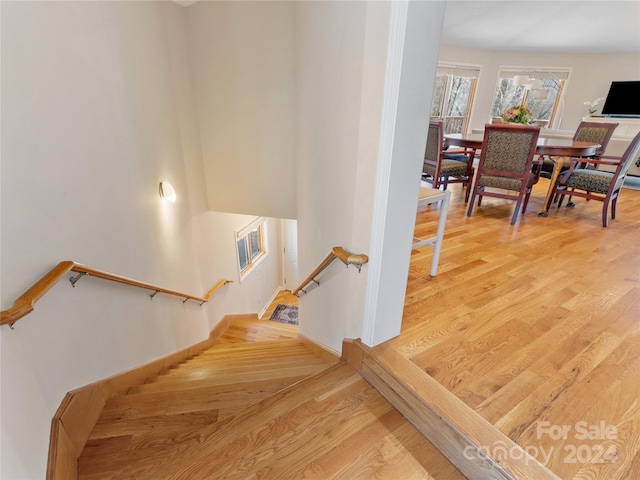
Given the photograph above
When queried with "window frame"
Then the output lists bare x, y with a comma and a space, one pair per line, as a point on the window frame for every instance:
450, 71
244, 235
557, 74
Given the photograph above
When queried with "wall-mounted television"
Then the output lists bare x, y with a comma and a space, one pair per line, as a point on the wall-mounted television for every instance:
623, 100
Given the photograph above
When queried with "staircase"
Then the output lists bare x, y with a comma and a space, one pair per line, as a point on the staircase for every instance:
260, 404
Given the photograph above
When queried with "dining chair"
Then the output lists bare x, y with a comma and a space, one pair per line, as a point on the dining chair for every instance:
439, 170
593, 184
594, 132
506, 163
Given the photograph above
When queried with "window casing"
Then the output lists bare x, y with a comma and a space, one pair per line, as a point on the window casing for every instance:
453, 95
544, 111
251, 246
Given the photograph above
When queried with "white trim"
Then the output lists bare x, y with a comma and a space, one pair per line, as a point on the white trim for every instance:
252, 226
535, 72
397, 30
260, 224
268, 304
320, 345
459, 69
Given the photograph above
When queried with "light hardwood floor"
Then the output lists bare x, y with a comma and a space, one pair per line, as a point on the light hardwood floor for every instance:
261, 403
536, 327
525, 324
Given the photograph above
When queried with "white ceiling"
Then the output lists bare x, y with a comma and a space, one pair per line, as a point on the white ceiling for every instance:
544, 25
583, 26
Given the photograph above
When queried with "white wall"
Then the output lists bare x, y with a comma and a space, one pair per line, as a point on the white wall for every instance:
341, 65
242, 58
100, 101
217, 259
329, 52
97, 108
400, 162
590, 78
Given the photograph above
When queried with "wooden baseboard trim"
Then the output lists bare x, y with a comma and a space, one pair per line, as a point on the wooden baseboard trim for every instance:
80, 409
460, 433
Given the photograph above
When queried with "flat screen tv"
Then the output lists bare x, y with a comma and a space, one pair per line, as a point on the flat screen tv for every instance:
623, 100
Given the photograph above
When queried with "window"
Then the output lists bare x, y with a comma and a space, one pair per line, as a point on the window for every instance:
542, 103
251, 245
453, 94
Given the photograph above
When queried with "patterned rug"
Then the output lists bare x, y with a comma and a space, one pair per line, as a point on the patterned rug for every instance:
285, 314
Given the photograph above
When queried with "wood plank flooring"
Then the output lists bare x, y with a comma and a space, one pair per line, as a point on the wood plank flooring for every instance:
536, 327
261, 404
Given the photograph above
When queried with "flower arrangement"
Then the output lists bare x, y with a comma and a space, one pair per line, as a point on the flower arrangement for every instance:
519, 114
592, 105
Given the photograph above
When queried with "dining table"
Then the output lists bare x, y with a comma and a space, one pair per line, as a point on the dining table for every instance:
557, 149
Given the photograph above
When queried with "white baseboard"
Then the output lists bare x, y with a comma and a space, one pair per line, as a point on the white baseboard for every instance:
323, 347
275, 294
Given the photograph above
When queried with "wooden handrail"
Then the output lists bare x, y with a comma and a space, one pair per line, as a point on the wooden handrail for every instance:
341, 254
217, 286
25, 303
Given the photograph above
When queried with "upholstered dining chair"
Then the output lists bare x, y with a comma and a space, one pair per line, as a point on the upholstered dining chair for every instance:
593, 184
441, 171
594, 132
506, 164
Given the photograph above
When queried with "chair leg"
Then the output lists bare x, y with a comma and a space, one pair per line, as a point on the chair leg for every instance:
605, 211
526, 200
516, 211
614, 202
560, 199
471, 202
552, 199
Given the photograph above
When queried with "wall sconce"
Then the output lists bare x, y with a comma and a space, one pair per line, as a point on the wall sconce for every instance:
167, 192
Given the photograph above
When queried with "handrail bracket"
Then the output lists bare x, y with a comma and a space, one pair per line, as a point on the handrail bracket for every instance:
73, 280
153, 294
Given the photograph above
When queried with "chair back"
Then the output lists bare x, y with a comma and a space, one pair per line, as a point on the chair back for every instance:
630, 155
435, 140
595, 132
508, 150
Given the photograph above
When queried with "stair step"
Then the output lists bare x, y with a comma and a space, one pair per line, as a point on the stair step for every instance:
331, 425
229, 379
246, 330
218, 397
131, 462
265, 409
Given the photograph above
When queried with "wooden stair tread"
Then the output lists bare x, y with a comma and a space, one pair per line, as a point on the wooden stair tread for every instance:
269, 408
229, 379
298, 432
141, 404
